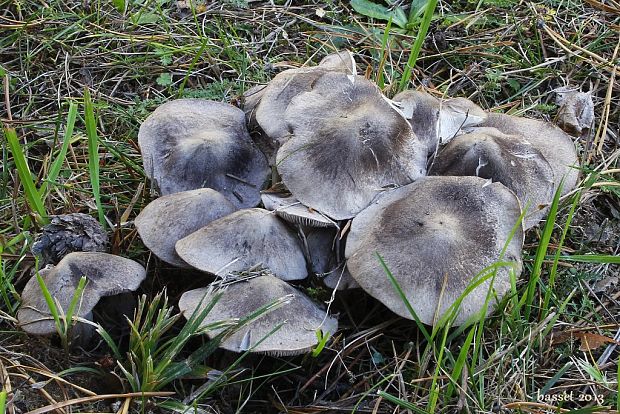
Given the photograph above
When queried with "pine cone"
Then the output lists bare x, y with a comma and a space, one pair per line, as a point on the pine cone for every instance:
76, 232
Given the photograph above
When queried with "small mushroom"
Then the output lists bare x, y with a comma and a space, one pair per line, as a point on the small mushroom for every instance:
194, 143
554, 144
347, 144
106, 275
510, 160
292, 210
576, 113
435, 235
243, 240
299, 316
437, 121
170, 218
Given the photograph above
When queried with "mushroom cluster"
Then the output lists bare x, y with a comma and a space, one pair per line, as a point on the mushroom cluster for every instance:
320, 174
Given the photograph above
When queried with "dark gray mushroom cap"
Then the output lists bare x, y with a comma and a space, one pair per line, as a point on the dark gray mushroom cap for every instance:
554, 144
326, 258
106, 275
170, 218
292, 210
243, 240
301, 317
510, 160
194, 143
347, 144
435, 229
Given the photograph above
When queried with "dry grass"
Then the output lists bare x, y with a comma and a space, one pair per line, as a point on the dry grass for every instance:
504, 55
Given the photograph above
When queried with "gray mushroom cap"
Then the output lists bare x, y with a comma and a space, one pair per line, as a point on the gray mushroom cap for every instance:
168, 219
274, 99
437, 121
554, 144
106, 275
243, 240
510, 160
268, 112
299, 316
341, 61
194, 143
347, 144
436, 229
292, 210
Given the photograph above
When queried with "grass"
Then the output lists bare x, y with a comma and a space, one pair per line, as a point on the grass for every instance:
78, 78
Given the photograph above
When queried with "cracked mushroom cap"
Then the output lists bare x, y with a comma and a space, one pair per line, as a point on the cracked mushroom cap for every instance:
243, 240
168, 219
300, 316
194, 143
106, 275
347, 144
554, 144
510, 160
437, 121
436, 229
292, 210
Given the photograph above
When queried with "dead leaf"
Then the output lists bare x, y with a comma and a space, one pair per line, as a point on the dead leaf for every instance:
576, 112
587, 340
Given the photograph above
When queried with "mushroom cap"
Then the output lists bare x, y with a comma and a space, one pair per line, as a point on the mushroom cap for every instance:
106, 275
576, 112
274, 99
194, 143
437, 121
301, 317
347, 144
292, 210
457, 114
169, 218
342, 61
277, 95
422, 111
553, 143
434, 229
510, 160
243, 240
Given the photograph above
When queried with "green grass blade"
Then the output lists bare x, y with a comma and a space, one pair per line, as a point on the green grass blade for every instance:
384, 52
556, 258
541, 252
93, 153
401, 403
32, 194
417, 45
2, 402
77, 296
592, 258
51, 304
403, 297
57, 164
